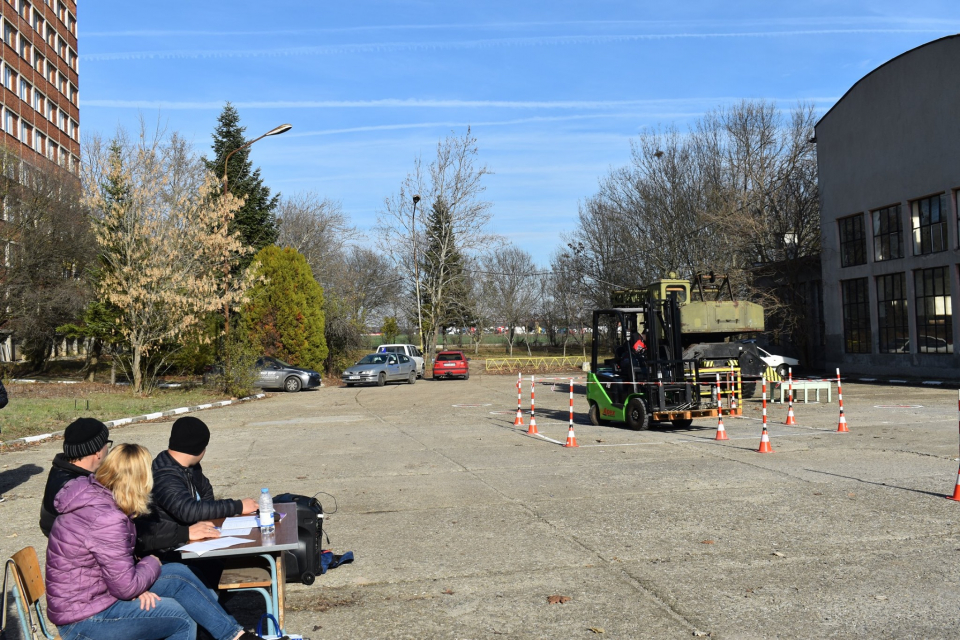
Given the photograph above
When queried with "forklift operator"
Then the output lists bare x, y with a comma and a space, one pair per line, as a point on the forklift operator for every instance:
637, 353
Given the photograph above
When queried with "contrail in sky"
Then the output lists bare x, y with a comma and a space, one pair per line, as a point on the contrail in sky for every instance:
393, 103
389, 47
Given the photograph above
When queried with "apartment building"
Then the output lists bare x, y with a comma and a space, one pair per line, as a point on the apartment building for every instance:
889, 163
39, 113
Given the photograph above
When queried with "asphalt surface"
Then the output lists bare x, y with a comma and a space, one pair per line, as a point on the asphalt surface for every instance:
463, 525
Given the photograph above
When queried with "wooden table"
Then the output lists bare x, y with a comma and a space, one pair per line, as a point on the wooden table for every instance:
286, 538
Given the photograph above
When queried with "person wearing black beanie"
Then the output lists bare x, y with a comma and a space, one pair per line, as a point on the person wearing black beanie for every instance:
183, 501
86, 442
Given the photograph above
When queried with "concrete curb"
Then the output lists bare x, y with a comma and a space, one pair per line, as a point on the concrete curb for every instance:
144, 418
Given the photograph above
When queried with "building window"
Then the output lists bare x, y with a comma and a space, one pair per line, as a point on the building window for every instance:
887, 234
856, 316
24, 90
38, 100
929, 224
24, 49
852, 241
892, 313
934, 311
9, 78
9, 35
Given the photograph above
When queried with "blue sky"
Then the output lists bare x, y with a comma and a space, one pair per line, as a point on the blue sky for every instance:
553, 90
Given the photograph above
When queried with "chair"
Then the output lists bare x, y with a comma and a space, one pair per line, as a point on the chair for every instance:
253, 574
28, 590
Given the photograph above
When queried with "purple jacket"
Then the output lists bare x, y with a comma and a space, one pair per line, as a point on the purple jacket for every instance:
90, 563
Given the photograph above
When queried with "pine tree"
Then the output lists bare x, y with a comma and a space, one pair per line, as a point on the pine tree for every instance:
257, 219
444, 294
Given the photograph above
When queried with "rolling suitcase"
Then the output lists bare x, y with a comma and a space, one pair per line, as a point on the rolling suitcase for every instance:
303, 563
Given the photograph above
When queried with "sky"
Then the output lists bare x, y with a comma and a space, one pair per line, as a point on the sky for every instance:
553, 91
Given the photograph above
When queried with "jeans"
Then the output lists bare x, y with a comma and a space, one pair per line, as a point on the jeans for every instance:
185, 603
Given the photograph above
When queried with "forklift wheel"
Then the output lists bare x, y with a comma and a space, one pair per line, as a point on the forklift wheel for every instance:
594, 414
636, 414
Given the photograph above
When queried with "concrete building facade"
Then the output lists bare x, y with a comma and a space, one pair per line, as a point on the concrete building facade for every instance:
889, 173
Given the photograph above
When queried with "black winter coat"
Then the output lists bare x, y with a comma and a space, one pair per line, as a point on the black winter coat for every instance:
182, 496
60, 474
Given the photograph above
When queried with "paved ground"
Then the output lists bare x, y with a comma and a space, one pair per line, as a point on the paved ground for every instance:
463, 525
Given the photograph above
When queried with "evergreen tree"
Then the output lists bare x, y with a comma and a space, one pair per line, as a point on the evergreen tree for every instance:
257, 219
284, 316
444, 294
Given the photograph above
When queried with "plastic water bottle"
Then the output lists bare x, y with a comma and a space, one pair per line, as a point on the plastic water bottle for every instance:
266, 512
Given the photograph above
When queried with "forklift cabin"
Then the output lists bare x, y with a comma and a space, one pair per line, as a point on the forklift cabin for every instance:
661, 387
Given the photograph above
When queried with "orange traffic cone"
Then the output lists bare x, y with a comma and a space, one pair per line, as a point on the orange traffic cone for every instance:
842, 425
790, 417
533, 408
765, 442
532, 431
519, 421
721, 432
571, 438
956, 489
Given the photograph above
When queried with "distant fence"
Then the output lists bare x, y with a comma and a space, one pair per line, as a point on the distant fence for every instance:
536, 364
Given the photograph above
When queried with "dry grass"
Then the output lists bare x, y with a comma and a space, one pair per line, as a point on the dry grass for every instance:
44, 407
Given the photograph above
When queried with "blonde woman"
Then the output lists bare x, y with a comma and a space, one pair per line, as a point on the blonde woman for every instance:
96, 588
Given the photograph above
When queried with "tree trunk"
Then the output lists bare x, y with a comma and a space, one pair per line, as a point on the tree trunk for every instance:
135, 370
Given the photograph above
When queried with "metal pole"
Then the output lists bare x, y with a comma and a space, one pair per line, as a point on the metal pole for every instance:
416, 267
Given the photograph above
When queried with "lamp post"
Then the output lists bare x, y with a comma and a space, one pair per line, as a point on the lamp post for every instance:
226, 267
273, 132
416, 268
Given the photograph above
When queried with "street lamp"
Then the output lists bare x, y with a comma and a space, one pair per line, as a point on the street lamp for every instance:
416, 267
226, 267
273, 132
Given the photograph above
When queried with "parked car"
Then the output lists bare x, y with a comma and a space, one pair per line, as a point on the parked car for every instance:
381, 368
451, 363
277, 374
780, 364
409, 350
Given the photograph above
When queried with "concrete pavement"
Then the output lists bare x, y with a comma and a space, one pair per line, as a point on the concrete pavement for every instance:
463, 526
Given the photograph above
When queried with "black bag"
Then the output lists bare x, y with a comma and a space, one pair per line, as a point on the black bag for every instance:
303, 563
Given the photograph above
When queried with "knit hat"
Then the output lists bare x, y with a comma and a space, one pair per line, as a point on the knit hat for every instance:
84, 437
189, 435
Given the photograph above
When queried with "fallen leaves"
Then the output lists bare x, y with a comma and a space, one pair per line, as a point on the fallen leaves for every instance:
557, 599
706, 542
596, 629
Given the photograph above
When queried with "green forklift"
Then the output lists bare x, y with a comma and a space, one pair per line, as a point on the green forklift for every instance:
656, 385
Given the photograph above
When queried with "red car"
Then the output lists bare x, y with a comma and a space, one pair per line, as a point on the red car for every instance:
451, 363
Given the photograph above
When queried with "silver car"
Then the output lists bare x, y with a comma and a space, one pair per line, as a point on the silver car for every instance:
382, 368
277, 374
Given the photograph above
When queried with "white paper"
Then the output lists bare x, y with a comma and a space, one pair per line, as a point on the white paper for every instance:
240, 522
201, 548
235, 532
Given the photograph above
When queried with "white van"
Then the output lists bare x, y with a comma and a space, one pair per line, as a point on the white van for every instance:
407, 349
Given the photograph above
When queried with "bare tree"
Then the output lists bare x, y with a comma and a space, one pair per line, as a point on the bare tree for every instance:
318, 229
513, 283
736, 194
161, 226
450, 188
47, 247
